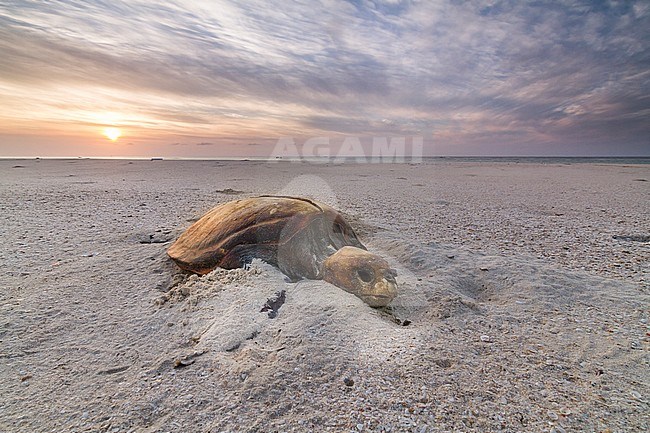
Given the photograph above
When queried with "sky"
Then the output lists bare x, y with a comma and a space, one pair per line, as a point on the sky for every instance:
217, 78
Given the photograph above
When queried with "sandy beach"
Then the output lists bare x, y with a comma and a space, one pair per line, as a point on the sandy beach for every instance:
523, 301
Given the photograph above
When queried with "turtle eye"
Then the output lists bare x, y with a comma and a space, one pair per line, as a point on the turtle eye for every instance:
364, 275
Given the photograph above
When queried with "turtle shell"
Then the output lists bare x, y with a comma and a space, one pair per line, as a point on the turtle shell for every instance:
294, 234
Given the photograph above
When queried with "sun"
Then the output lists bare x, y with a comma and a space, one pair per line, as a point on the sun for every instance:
112, 133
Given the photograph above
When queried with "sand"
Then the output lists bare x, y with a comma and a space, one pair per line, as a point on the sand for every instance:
524, 289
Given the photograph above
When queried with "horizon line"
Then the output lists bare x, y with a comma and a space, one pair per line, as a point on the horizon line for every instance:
405, 158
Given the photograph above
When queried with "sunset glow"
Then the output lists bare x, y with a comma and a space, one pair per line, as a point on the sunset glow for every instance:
112, 133
190, 79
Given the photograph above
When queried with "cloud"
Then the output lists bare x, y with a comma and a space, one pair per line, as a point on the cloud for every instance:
507, 71
202, 143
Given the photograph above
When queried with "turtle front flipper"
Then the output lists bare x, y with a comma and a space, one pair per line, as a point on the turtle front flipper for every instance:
241, 256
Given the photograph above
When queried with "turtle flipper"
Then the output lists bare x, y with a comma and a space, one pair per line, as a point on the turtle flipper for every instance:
242, 255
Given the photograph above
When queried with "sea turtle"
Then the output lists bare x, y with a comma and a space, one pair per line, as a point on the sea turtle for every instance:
301, 237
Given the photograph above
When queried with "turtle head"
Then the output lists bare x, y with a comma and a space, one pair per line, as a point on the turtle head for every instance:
363, 274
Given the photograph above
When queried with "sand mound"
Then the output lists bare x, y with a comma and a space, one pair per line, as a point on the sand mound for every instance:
490, 343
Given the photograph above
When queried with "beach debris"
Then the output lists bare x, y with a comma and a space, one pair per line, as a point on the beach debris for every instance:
114, 370
394, 315
301, 237
188, 359
632, 238
155, 238
485, 338
348, 381
229, 191
234, 345
274, 303
164, 284
443, 363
